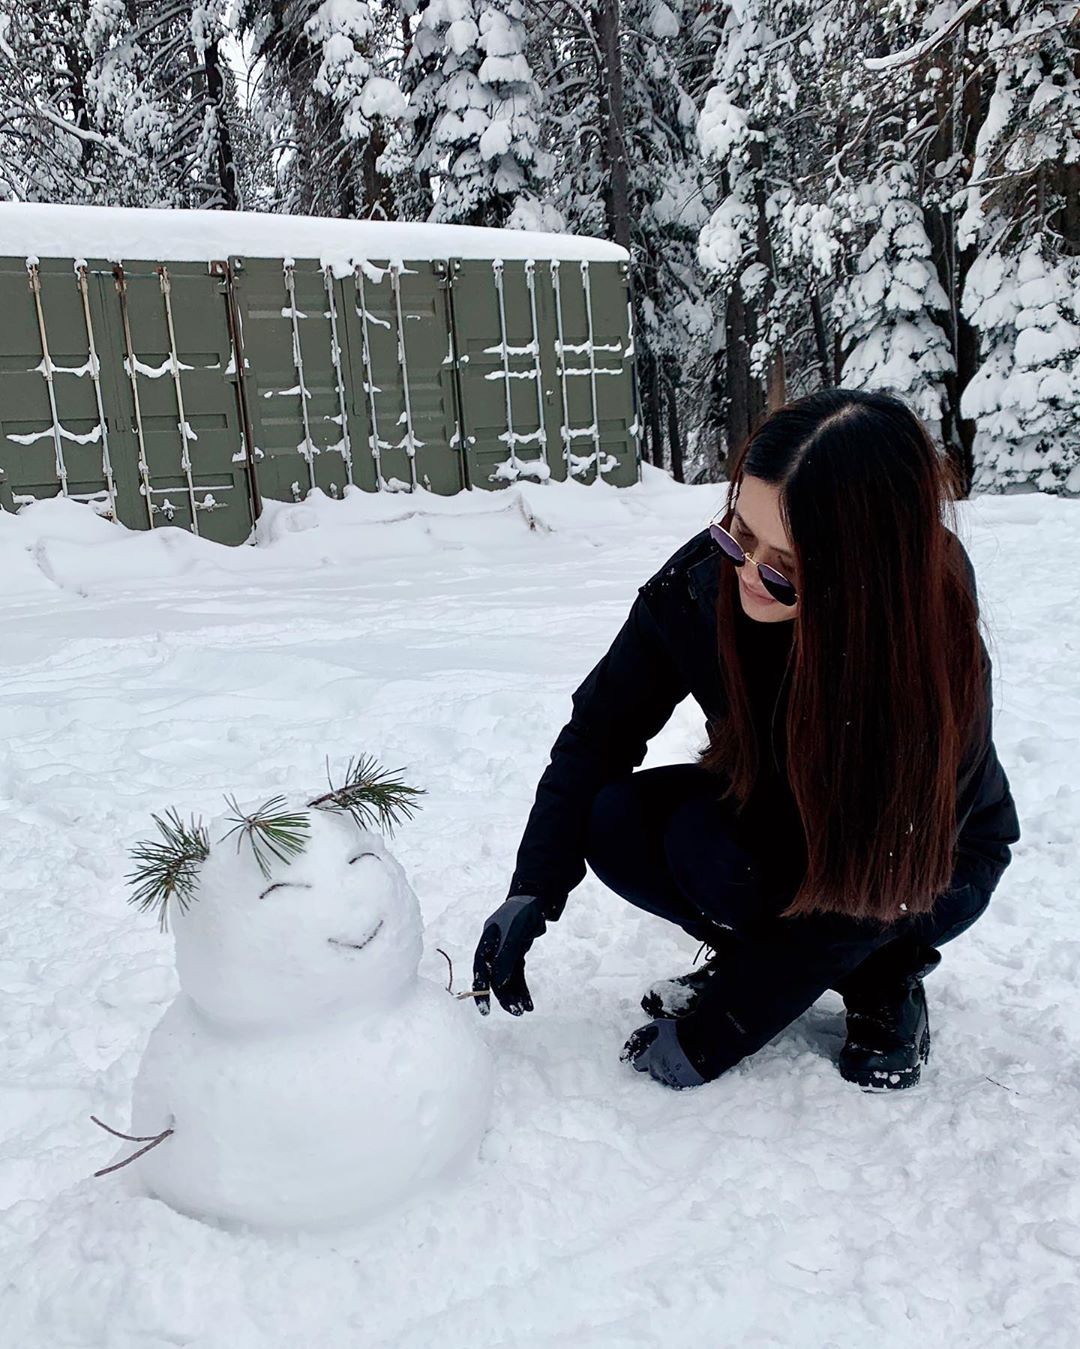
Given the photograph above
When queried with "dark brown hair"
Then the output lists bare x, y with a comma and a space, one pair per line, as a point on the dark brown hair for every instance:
886, 678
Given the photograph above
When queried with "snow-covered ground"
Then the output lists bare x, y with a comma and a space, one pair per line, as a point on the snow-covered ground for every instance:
778, 1206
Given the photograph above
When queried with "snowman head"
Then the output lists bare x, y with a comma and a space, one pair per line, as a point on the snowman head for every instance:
336, 928
271, 934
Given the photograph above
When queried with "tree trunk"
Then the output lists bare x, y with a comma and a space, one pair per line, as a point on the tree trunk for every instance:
776, 375
941, 232
1068, 176
744, 398
713, 424
378, 191
967, 338
650, 399
671, 389
225, 158
821, 339
617, 185
76, 91
347, 199
954, 136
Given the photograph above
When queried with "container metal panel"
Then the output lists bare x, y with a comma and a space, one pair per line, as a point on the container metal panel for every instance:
546, 371
107, 427
594, 352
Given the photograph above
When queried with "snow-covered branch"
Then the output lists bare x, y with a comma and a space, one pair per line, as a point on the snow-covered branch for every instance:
916, 52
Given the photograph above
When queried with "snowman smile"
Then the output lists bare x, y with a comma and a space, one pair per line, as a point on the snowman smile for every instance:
357, 945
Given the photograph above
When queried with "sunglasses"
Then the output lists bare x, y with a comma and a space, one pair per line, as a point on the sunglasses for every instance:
778, 585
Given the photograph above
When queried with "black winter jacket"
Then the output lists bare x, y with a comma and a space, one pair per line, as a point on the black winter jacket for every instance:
665, 650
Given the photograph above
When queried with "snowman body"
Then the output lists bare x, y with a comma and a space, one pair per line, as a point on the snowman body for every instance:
311, 1078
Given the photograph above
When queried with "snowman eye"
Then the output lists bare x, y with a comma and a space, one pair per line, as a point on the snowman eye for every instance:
280, 885
361, 855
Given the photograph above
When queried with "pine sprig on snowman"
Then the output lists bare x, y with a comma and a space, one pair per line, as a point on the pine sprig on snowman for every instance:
167, 868
306, 1075
272, 831
371, 795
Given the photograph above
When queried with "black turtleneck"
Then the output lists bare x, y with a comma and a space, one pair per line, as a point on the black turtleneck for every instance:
769, 823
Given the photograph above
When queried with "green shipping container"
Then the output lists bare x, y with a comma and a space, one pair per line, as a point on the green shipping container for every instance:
178, 367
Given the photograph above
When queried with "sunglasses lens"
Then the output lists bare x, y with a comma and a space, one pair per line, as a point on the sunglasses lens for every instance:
779, 587
728, 544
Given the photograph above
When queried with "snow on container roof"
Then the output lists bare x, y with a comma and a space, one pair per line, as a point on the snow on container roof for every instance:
126, 233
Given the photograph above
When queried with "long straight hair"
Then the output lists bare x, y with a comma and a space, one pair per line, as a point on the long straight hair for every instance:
886, 665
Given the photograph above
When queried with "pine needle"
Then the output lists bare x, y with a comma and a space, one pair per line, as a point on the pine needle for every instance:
373, 796
271, 830
168, 868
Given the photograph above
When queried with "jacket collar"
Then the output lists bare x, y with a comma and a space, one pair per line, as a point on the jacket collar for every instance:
703, 580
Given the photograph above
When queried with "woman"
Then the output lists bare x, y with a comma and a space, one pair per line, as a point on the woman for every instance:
849, 814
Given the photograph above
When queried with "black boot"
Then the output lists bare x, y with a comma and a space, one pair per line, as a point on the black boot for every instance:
670, 998
888, 1030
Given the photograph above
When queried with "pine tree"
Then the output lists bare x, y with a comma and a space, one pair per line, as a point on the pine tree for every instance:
51, 148
770, 242
622, 85
475, 111
411, 183
1022, 294
328, 98
163, 88
666, 65
886, 311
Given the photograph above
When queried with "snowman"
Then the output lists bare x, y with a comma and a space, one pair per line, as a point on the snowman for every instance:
305, 1075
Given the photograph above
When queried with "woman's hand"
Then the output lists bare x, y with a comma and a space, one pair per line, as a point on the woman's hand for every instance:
499, 965
655, 1049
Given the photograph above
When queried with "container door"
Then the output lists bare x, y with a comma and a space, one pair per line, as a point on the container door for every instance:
504, 343
298, 379
594, 354
177, 423
403, 379
54, 415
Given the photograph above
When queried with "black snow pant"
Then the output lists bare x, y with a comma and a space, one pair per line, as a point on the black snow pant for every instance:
661, 839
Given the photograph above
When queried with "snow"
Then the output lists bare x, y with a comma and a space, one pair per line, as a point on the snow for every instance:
778, 1206
118, 234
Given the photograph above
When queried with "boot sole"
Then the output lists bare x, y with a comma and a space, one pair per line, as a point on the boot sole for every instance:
657, 1010
880, 1079
654, 1007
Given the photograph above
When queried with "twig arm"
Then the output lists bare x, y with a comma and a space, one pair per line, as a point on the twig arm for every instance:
151, 1141
134, 1156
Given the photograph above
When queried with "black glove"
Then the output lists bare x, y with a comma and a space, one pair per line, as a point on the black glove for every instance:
499, 965
655, 1049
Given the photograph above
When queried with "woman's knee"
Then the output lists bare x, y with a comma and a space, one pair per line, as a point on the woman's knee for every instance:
956, 910
613, 820
715, 872
629, 814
